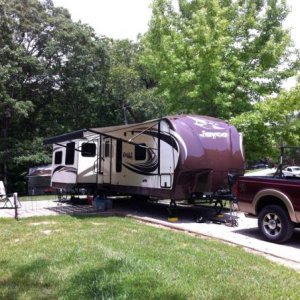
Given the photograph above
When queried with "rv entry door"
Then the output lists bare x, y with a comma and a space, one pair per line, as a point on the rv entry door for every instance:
87, 162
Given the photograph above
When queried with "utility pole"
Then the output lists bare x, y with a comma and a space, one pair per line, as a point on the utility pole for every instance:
124, 108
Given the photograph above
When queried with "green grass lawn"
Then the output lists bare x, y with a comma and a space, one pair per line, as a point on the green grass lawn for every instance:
67, 257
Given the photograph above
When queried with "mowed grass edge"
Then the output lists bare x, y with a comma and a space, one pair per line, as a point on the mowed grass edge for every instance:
68, 257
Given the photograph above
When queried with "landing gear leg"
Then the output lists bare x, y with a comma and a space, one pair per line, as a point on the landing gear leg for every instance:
172, 206
218, 206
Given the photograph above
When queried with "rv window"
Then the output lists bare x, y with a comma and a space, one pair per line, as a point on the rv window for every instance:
70, 153
140, 152
106, 149
58, 158
119, 156
88, 150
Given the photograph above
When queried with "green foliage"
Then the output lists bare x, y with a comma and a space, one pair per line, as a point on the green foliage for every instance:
218, 57
52, 76
129, 86
23, 152
272, 123
51, 67
147, 104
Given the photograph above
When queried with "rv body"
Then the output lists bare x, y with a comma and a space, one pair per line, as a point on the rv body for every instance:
170, 158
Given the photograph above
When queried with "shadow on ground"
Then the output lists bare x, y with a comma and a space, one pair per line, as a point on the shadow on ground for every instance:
254, 233
143, 209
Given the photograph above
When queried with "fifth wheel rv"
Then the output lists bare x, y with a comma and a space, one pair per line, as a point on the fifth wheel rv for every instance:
175, 157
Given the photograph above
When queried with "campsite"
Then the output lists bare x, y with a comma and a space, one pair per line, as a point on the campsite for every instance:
160, 166
111, 256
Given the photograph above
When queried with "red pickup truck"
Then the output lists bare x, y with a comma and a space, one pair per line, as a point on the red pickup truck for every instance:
274, 201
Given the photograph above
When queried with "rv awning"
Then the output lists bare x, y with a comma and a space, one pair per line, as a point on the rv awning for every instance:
79, 134
84, 133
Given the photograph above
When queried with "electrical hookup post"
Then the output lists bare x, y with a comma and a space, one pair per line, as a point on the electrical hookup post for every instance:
16, 205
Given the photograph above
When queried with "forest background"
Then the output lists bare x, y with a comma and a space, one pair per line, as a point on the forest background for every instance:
222, 58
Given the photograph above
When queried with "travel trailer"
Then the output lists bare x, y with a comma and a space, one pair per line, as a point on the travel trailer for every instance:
38, 180
176, 157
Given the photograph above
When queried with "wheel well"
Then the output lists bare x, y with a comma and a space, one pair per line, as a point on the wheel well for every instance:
269, 200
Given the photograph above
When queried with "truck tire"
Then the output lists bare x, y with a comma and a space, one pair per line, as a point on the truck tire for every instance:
275, 225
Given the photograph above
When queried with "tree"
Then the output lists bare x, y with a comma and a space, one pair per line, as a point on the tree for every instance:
131, 97
272, 123
147, 104
52, 79
218, 57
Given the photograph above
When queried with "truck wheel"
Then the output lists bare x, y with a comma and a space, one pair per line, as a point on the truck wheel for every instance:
275, 224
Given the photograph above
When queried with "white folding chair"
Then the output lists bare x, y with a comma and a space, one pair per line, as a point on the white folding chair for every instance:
2, 192
12, 200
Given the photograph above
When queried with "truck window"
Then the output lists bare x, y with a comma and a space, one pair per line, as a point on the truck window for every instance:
70, 153
58, 158
88, 150
140, 152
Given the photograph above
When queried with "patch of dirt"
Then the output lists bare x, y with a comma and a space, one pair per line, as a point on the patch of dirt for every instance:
98, 224
48, 232
43, 223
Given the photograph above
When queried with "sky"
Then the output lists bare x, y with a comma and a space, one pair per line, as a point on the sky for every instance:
121, 19
117, 19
